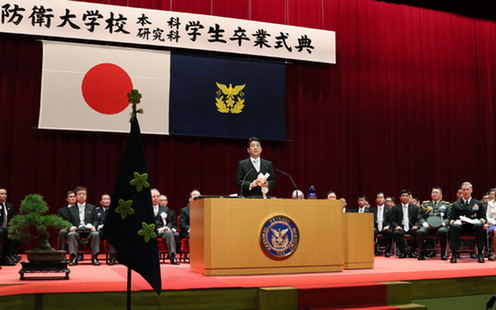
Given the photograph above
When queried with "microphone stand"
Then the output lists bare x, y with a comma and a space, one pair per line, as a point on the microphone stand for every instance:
243, 183
282, 172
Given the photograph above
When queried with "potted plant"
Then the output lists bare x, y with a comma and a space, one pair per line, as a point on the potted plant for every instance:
31, 224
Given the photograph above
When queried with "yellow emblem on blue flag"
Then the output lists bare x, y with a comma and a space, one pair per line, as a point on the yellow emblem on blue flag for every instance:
229, 99
226, 102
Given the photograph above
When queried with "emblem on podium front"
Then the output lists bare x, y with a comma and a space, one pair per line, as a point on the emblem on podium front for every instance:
279, 236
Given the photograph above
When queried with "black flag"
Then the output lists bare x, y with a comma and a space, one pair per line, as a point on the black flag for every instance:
129, 226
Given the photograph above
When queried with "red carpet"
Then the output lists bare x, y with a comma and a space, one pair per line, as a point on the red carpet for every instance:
345, 285
88, 278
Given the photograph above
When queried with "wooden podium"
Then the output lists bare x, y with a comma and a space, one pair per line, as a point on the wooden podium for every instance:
225, 236
358, 234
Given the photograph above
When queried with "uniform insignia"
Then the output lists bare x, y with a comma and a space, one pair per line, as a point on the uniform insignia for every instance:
279, 236
475, 207
229, 99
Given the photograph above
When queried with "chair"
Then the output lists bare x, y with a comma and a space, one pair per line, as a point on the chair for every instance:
405, 238
490, 245
104, 246
184, 250
436, 245
378, 246
83, 247
467, 239
162, 250
184, 245
465, 248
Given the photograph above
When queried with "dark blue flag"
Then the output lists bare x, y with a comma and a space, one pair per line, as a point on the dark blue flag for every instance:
129, 226
227, 97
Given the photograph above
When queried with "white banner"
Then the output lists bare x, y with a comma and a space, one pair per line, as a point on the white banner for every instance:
85, 87
109, 23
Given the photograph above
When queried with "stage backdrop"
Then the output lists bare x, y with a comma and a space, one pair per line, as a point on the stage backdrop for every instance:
409, 104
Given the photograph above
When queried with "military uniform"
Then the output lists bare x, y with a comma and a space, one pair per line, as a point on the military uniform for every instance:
472, 210
440, 209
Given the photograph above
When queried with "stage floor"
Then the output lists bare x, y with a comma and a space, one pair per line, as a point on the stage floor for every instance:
88, 278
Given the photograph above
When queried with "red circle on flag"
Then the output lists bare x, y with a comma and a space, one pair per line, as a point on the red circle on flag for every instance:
105, 88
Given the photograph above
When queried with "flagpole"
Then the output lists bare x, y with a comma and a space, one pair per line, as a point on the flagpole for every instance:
128, 288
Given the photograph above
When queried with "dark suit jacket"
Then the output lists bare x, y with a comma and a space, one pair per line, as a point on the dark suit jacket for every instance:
10, 213
64, 213
170, 220
474, 210
184, 221
101, 215
397, 216
386, 216
89, 215
247, 173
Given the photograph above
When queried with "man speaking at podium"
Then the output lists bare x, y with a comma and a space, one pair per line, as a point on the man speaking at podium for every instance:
255, 176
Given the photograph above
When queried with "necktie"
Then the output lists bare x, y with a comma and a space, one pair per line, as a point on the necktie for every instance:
405, 218
379, 219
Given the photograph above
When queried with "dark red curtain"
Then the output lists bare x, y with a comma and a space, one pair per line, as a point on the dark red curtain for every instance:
409, 104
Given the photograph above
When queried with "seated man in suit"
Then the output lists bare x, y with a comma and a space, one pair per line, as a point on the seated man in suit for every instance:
64, 214
467, 217
404, 221
331, 195
362, 205
84, 223
390, 201
382, 223
250, 176
184, 215
165, 225
436, 212
101, 214
8, 247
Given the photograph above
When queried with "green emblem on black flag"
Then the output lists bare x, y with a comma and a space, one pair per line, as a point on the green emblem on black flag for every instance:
140, 181
134, 98
130, 222
147, 232
125, 208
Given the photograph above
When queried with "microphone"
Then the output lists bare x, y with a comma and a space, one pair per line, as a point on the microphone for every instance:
242, 183
282, 172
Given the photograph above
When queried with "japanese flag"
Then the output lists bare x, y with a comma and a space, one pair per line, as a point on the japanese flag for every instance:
85, 87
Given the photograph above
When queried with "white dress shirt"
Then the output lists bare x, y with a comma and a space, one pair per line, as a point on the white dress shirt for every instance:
256, 163
81, 214
5, 214
380, 217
